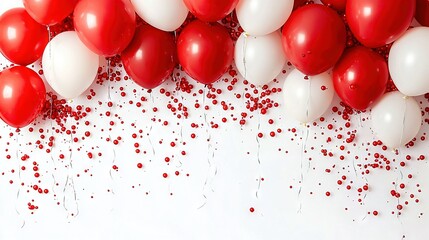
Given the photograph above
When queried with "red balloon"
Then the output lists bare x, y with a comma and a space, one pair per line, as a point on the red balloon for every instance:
205, 51
376, 23
105, 26
22, 96
49, 12
339, 5
298, 3
314, 37
210, 10
360, 77
151, 56
422, 12
22, 40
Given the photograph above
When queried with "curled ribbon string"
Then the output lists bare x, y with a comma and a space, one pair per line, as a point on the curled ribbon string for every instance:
70, 183
52, 147
359, 149
178, 94
304, 136
151, 127
245, 66
210, 152
258, 153
364, 178
110, 105
400, 142
49, 38
18, 193
401, 175
244, 54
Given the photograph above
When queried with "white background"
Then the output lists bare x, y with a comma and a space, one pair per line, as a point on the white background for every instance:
214, 201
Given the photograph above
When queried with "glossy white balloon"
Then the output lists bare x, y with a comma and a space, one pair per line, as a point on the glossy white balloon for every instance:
260, 59
409, 62
262, 17
307, 99
68, 65
166, 15
396, 119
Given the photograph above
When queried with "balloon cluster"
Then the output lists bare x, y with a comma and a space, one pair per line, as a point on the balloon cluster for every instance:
330, 44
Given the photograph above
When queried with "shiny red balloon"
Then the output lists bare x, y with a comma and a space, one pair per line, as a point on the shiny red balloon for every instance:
210, 10
314, 37
22, 96
360, 77
105, 26
151, 56
339, 5
49, 12
22, 40
376, 23
422, 12
205, 51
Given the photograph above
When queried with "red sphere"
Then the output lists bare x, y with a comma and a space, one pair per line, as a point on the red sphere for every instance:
23, 96
106, 27
22, 40
360, 77
314, 37
151, 56
49, 12
376, 23
205, 51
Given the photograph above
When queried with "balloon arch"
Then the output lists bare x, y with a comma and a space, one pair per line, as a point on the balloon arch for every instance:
332, 45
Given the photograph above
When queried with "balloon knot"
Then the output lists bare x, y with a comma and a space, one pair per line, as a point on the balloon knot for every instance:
405, 97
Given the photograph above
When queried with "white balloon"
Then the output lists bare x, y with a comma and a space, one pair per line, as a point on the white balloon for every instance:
396, 119
166, 15
408, 62
307, 98
260, 59
68, 65
262, 17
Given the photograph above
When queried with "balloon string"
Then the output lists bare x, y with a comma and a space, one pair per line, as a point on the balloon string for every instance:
18, 193
70, 184
245, 67
399, 176
308, 100
359, 149
52, 147
179, 94
361, 157
304, 138
49, 38
405, 98
108, 79
244, 55
110, 105
210, 153
258, 153
308, 114
360, 121
399, 152
149, 134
